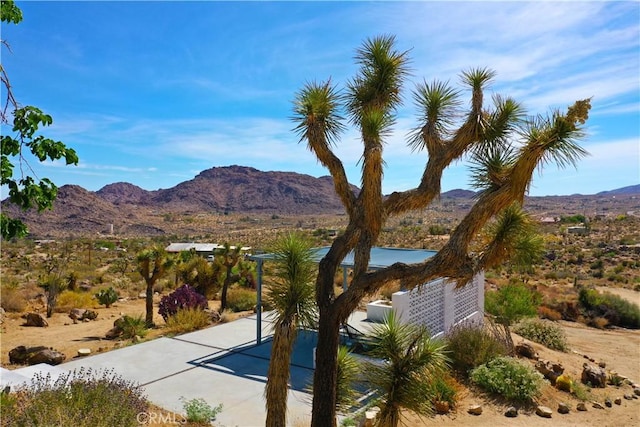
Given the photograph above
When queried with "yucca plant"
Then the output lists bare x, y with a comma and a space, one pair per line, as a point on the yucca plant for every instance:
412, 363
291, 294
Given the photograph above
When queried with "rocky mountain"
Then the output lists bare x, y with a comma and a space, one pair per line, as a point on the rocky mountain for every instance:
632, 189
219, 191
245, 189
223, 190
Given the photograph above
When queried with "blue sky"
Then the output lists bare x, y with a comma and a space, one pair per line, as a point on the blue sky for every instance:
152, 93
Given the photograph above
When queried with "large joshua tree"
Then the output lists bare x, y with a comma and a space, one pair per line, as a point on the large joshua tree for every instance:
504, 147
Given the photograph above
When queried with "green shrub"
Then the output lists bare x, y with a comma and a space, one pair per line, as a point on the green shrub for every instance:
107, 296
240, 299
511, 303
470, 346
133, 326
187, 320
618, 311
199, 411
509, 378
543, 332
81, 398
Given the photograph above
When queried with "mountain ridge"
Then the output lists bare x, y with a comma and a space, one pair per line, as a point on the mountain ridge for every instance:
223, 190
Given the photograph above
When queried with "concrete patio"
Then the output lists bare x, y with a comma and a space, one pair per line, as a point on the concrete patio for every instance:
221, 364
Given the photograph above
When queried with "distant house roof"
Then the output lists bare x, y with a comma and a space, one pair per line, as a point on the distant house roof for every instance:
199, 247
380, 257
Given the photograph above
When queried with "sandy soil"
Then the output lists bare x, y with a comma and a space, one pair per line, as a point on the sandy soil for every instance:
618, 348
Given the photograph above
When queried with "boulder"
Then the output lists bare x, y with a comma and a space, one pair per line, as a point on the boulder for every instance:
608, 403
551, 371
80, 314
23, 355
511, 412
48, 356
475, 409
526, 350
442, 407
581, 406
594, 375
597, 405
35, 319
117, 330
543, 411
563, 408
618, 401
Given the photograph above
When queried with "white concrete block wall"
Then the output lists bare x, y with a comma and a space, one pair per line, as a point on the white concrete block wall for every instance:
439, 306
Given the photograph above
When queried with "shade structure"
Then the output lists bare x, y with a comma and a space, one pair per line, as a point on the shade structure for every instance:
380, 258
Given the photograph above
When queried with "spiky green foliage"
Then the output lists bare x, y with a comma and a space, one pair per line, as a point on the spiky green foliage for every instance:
438, 105
412, 361
513, 238
291, 295
348, 372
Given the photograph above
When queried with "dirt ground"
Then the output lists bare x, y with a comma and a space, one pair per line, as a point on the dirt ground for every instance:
65, 336
618, 348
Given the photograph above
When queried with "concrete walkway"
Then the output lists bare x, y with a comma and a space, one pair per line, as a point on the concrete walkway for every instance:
220, 364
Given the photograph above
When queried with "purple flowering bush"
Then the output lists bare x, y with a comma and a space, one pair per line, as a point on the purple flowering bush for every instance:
185, 297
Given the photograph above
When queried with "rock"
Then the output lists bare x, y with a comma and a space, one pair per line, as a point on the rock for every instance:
80, 314
602, 364
2, 314
563, 408
636, 391
48, 356
76, 314
597, 405
215, 317
35, 319
618, 401
544, 411
628, 397
551, 371
34, 355
608, 403
595, 376
84, 352
142, 295
581, 406
475, 409
20, 354
442, 407
370, 417
526, 350
113, 333
511, 412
